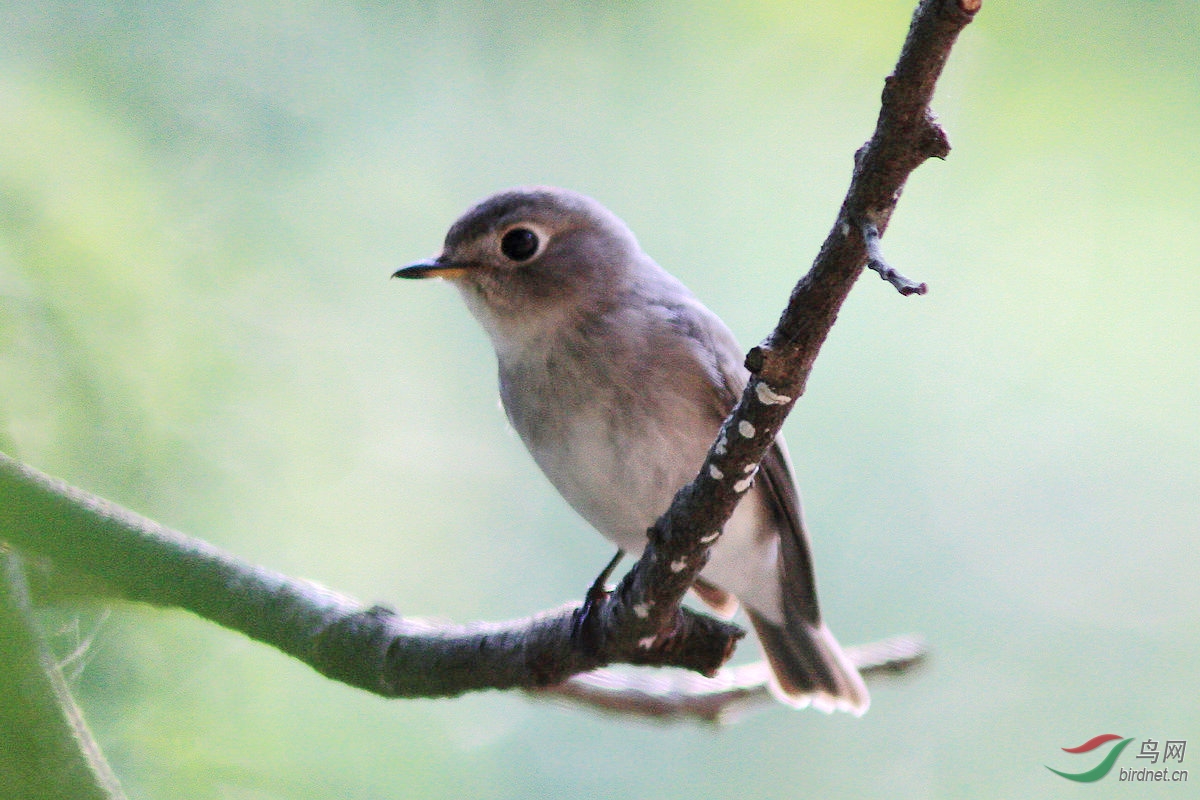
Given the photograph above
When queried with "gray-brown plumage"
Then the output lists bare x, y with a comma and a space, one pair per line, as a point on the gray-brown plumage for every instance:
617, 379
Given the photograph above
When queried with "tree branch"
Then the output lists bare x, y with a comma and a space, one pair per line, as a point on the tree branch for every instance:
642, 621
135, 558
645, 604
722, 699
46, 750
877, 262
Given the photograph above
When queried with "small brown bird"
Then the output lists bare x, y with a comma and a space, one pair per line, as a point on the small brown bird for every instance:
617, 379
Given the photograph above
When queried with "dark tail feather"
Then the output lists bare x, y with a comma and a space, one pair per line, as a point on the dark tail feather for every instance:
809, 667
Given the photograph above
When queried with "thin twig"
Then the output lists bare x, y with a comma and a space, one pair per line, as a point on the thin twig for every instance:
46, 750
877, 262
671, 696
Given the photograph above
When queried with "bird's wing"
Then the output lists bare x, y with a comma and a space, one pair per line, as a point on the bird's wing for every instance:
727, 380
778, 483
799, 581
807, 663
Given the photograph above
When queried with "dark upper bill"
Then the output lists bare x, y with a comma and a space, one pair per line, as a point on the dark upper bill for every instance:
429, 268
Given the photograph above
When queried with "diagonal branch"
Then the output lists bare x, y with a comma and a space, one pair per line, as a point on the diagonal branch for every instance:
905, 136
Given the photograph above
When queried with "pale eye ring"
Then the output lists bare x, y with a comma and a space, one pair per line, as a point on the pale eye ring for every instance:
520, 244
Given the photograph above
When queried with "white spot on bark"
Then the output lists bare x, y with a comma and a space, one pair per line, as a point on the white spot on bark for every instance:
769, 397
746, 429
712, 537
720, 447
641, 610
750, 469
677, 566
743, 484
716, 473
845, 228
647, 642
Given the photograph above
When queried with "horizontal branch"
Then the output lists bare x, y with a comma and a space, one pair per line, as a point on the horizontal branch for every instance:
373, 648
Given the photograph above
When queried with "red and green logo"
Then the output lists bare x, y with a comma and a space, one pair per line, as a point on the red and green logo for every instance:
1106, 764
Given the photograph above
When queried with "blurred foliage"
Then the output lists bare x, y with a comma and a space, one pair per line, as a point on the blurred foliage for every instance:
200, 204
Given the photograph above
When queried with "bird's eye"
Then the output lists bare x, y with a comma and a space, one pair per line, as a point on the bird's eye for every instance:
519, 244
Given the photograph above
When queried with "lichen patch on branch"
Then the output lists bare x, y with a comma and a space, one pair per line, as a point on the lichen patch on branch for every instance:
768, 396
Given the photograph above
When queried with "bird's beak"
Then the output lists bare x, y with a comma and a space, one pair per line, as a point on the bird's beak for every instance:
431, 268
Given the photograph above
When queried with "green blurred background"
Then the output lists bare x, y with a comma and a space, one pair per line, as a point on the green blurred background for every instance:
200, 206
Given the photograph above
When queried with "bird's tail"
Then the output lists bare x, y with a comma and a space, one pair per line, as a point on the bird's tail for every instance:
809, 667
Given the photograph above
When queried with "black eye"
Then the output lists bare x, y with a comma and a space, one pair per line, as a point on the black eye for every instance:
519, 244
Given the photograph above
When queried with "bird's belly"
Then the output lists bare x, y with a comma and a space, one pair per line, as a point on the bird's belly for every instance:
745, 560
620, 480
621, 483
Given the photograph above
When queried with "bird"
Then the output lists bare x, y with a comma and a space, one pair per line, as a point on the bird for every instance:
617, 379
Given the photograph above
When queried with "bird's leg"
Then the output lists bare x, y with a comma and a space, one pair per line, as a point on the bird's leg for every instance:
599, 586
595, 593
